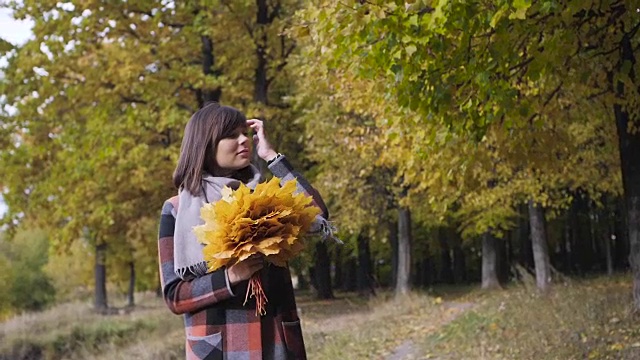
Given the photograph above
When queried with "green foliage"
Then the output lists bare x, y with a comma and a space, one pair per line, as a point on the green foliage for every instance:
71, 271
6, 278
478, 106
5, 46
25, 256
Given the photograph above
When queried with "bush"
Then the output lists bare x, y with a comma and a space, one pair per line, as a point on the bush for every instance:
25, 257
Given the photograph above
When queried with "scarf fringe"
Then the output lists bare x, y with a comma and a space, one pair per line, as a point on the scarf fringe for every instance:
191, 271
325, 229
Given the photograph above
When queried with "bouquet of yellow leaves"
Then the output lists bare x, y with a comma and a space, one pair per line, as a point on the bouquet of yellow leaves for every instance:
270, 220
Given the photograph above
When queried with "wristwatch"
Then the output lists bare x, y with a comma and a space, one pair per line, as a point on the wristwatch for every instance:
278, 156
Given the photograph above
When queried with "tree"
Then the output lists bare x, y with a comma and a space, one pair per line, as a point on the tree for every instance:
99, 100
468, 75
86, 120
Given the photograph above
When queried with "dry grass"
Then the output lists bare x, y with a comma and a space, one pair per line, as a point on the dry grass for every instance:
360, 329
348, 327
586, 320
75, 331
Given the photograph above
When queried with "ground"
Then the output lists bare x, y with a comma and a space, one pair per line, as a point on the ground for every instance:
578, 319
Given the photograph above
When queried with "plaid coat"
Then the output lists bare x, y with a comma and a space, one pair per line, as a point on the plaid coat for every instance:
217, 325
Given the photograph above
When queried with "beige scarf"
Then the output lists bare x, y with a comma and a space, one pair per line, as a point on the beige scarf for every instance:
187, 250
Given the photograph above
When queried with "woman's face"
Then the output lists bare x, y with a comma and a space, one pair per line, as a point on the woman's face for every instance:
233, 152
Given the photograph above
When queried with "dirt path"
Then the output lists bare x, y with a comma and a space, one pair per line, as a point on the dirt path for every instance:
451, 310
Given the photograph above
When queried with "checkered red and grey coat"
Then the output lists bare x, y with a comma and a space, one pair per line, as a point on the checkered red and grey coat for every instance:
217, 325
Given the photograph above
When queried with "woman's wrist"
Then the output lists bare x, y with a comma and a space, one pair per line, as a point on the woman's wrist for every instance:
271, 155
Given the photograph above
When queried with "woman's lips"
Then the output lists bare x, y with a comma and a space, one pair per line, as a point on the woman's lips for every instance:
244, 153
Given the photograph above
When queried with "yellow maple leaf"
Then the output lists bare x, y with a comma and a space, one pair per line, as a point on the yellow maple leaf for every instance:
227, 194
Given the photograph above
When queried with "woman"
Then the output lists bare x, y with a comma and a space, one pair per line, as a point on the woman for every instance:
216, 152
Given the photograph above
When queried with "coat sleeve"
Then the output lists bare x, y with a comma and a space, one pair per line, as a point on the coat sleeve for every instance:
282, 169
183, 296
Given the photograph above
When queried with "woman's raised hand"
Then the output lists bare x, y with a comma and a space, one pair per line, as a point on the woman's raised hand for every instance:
263, 147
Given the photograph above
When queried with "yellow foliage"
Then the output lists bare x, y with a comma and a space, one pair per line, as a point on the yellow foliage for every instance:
269, 220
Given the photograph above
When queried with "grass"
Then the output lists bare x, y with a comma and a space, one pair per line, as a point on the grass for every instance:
361, 329
75, 331
588, 319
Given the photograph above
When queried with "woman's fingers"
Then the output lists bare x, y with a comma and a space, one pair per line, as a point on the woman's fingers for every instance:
255, 124
255, 263
255, 267
254, 259
244, 269
263, 147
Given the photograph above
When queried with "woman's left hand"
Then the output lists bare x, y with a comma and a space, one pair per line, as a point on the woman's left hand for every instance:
264, 149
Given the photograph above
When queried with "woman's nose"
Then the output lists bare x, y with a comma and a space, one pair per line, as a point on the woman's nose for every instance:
242, 138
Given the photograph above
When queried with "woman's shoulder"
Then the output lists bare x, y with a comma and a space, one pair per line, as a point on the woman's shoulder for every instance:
171, 206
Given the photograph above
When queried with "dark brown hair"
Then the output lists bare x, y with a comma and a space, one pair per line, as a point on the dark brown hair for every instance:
204, 130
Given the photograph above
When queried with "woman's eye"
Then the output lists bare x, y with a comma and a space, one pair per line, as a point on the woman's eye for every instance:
234, 135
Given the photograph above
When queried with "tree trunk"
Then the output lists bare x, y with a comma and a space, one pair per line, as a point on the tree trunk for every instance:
365, 287
208, 61
489, 262
606, 239
582, 235
503, 265
596, 227
565, 247
524, 240
621, 243
446, 271
100, 273
404, 252
540, 247
509, 256
261, 84
349, 281
323, 271
337, 261
297, 269
303, 283
605, 230
629, 144
425, 270
393, 240
459, 265
132, 285
313, 279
